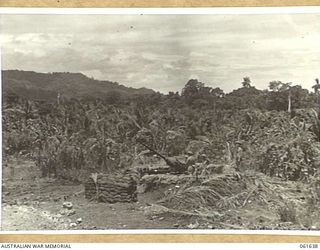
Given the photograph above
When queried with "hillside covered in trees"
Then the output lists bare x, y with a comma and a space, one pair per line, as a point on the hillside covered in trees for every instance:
46, 86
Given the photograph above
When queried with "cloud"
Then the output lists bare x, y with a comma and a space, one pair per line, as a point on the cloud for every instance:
163, 51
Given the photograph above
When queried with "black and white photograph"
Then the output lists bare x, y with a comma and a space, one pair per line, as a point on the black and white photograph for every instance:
139, 121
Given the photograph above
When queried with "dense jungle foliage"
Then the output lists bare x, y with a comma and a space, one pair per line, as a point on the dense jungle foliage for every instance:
274, 131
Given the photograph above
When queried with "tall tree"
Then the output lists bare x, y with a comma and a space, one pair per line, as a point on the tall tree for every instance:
246, 82
316, 87
286, 87
284, 96
191, 90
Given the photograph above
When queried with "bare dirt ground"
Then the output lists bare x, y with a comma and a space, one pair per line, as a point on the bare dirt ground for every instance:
30, 203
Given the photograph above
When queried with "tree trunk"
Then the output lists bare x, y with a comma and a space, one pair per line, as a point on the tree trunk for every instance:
289, 102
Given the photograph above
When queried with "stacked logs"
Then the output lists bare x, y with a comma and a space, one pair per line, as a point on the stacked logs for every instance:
111, 188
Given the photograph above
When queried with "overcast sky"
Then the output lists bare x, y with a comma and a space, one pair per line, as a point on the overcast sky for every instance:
163, 51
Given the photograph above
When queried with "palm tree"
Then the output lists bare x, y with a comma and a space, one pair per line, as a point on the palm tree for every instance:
316, 87
246, 82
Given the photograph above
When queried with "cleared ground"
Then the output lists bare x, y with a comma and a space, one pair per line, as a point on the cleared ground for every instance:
30, 203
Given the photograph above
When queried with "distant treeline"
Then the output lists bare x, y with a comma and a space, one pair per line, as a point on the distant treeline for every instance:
63, 87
